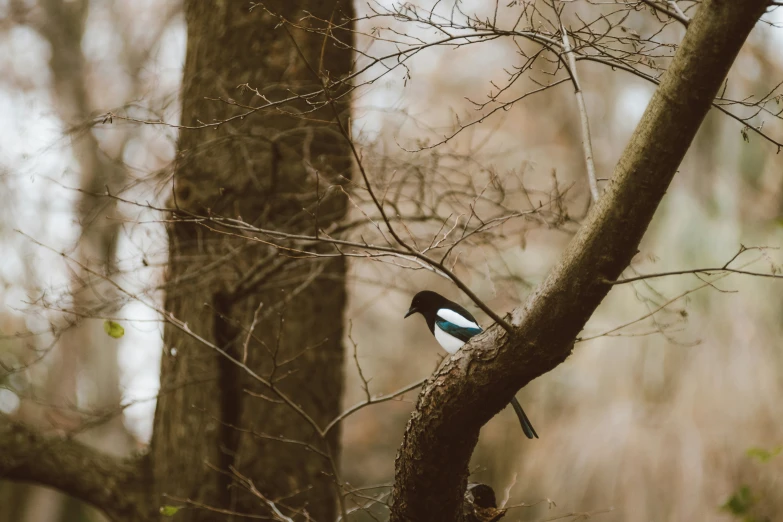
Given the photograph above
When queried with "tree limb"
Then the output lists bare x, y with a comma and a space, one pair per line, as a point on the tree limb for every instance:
480, 379
109, 483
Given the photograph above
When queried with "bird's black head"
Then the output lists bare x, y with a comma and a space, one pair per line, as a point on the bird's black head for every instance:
427, 304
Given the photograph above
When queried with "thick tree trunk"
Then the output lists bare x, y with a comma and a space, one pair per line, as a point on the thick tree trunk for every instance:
215, 423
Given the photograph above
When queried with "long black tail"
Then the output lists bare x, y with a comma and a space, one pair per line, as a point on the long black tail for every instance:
523, 420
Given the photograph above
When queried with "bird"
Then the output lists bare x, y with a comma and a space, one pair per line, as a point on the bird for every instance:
452, 327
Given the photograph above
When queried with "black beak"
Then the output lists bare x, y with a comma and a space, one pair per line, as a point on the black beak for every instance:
410, 312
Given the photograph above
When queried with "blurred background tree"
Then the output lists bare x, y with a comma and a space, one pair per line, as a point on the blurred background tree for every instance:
674, 379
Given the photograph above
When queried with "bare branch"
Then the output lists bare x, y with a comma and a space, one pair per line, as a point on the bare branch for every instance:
375, 400
704, 271
108, 483
673, 11
587, 144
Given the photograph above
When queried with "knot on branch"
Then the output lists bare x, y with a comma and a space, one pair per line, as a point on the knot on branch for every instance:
480, 504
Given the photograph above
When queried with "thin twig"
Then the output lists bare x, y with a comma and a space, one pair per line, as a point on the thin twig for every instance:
382, 398
705, 271
587, 145
250, 331
675, 12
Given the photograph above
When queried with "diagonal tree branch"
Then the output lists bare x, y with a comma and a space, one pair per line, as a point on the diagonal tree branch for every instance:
479, 380
109, 483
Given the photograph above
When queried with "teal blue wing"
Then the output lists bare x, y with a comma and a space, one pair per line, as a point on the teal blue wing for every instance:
460, 332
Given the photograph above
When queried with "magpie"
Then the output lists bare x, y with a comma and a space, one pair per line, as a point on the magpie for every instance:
452, 327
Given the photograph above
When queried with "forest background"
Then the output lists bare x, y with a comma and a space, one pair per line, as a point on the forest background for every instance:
669, 407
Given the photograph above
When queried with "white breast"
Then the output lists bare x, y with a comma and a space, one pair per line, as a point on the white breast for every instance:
449, 343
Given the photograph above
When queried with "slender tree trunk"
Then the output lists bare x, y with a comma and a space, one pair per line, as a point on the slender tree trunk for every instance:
83, 348
214, 423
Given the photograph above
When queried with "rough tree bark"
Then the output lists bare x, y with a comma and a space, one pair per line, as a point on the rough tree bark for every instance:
272, 170
478, 381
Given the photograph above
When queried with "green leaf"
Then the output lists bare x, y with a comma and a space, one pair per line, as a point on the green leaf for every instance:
113, 329
169, 511
763, 455
740, 502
